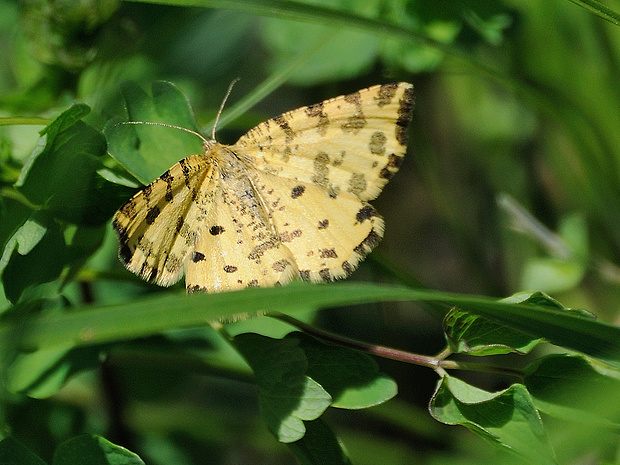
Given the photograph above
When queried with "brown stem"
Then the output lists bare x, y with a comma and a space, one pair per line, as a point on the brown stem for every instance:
437, 363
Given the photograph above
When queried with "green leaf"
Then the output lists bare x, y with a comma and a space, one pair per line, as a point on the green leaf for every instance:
476, 335
417, 57
558, 384
540, 316
42, 264
61, 174
147, 151
93, 450
507, 418
287, 395
352, 378
297, 377
319, 446
18, 230
551, 275
340, 54
568, 265
12, 452
64, 122
27, 370
42, 373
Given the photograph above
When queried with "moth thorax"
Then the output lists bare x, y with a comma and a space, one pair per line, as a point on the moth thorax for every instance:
209, 144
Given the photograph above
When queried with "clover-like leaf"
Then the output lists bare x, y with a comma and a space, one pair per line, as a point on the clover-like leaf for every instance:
507, 418
287, 395
147, 151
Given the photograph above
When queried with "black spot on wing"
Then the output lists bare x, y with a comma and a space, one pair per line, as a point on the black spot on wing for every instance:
369, 243
405, 111
283, 124
152, 215
386, 94
317, 111
168, 179
129, 208
394, 162
365, 213
281, 265
198, 257
297, 191
328, 253
195, 288
325, 274
124, 252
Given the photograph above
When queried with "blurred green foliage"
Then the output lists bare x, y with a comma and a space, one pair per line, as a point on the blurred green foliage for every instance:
511, 183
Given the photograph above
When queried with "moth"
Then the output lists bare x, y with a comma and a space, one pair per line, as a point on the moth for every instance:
289, 200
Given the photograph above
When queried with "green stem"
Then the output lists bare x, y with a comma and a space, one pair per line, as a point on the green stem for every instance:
11, 193
24, 121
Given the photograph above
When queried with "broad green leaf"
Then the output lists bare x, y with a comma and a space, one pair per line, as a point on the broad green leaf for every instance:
319, 446
340, 54
93, 450
12, 452
575, 388
507, 418
477, 335
551, 275
42, 373
287, 395
29, 235
298, 376
61, 174
27, 369
352, 378
65, 121
562, 271
573, 229
574, 329
19, 229
146, 151
42, 264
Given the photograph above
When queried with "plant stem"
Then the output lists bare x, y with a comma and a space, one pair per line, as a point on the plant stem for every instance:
437, 363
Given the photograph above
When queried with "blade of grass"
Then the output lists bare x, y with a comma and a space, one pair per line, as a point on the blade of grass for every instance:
98, 324
599, 10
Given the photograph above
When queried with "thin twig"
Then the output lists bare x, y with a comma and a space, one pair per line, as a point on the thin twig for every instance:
437, 363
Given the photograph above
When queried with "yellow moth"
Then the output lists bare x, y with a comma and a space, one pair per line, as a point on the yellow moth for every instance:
288, 201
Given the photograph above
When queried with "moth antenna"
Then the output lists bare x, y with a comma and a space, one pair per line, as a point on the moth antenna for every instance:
219, 112
166, 125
